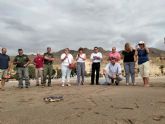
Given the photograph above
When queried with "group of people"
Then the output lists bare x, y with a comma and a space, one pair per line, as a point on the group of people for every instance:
112, 71
131, 57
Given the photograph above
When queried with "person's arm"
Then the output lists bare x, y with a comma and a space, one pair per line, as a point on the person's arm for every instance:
9, 64
122, 55
146, 48
63, 57
15, 61
46, 57
52, 58
119, 70
135, 56
119, 56
84, 58
99, 57
72, 60
78, 55
28, 61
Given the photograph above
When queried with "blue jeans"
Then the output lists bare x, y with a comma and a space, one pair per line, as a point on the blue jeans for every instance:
80, 71
65, 73
23, 73
129, 70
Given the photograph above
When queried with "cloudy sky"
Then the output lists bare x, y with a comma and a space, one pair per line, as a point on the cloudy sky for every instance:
35, 24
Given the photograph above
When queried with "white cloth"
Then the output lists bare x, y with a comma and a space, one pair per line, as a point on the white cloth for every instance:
94, 56
113, 69
68, 60
80, 58
144, 69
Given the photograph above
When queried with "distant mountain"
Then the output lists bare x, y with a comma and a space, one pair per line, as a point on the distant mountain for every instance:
86, 50
153, 53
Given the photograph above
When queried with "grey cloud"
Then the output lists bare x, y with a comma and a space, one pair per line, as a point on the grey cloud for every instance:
34, 25
16, 25
135, 38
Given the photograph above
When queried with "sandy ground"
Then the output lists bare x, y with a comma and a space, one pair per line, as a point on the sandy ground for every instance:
85, 104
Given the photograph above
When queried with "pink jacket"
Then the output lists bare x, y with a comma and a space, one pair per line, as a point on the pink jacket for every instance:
115, 55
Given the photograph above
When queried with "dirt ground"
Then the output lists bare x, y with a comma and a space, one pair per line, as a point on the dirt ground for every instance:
85, 104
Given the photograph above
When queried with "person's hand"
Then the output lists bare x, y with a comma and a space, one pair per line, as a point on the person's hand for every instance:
51, 59
117, 75
94, 57
9, 69
18, 62
104, 71
136, 47
46, 57
97, 58
145, 47
66, 56
113, 76
25, 65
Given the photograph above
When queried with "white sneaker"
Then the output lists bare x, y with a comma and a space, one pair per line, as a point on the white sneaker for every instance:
63, 85
68, 84
127, 84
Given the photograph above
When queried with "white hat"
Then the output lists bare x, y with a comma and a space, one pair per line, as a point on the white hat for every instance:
141, 42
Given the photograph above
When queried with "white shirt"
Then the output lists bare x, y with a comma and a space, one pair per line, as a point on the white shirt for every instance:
113, 69
68, 60
80, 58
94, 59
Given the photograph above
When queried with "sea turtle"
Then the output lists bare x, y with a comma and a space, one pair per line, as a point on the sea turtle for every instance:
54, 98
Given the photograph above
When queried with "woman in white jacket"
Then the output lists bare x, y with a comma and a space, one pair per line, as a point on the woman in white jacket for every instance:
66, 59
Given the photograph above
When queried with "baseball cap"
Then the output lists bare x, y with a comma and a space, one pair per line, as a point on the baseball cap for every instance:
141, 42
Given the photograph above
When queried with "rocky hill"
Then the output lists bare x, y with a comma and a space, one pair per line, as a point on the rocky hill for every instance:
157, 59
154, 54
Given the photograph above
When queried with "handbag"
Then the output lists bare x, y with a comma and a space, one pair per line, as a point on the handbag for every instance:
7, 75
71, 65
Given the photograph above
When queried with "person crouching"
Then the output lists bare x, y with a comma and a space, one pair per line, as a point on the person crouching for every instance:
112, 72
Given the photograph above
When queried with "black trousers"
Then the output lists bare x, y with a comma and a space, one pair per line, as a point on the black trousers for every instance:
95, 68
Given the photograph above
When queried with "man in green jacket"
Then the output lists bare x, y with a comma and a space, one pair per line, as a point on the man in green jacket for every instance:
22, 61
48, 66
